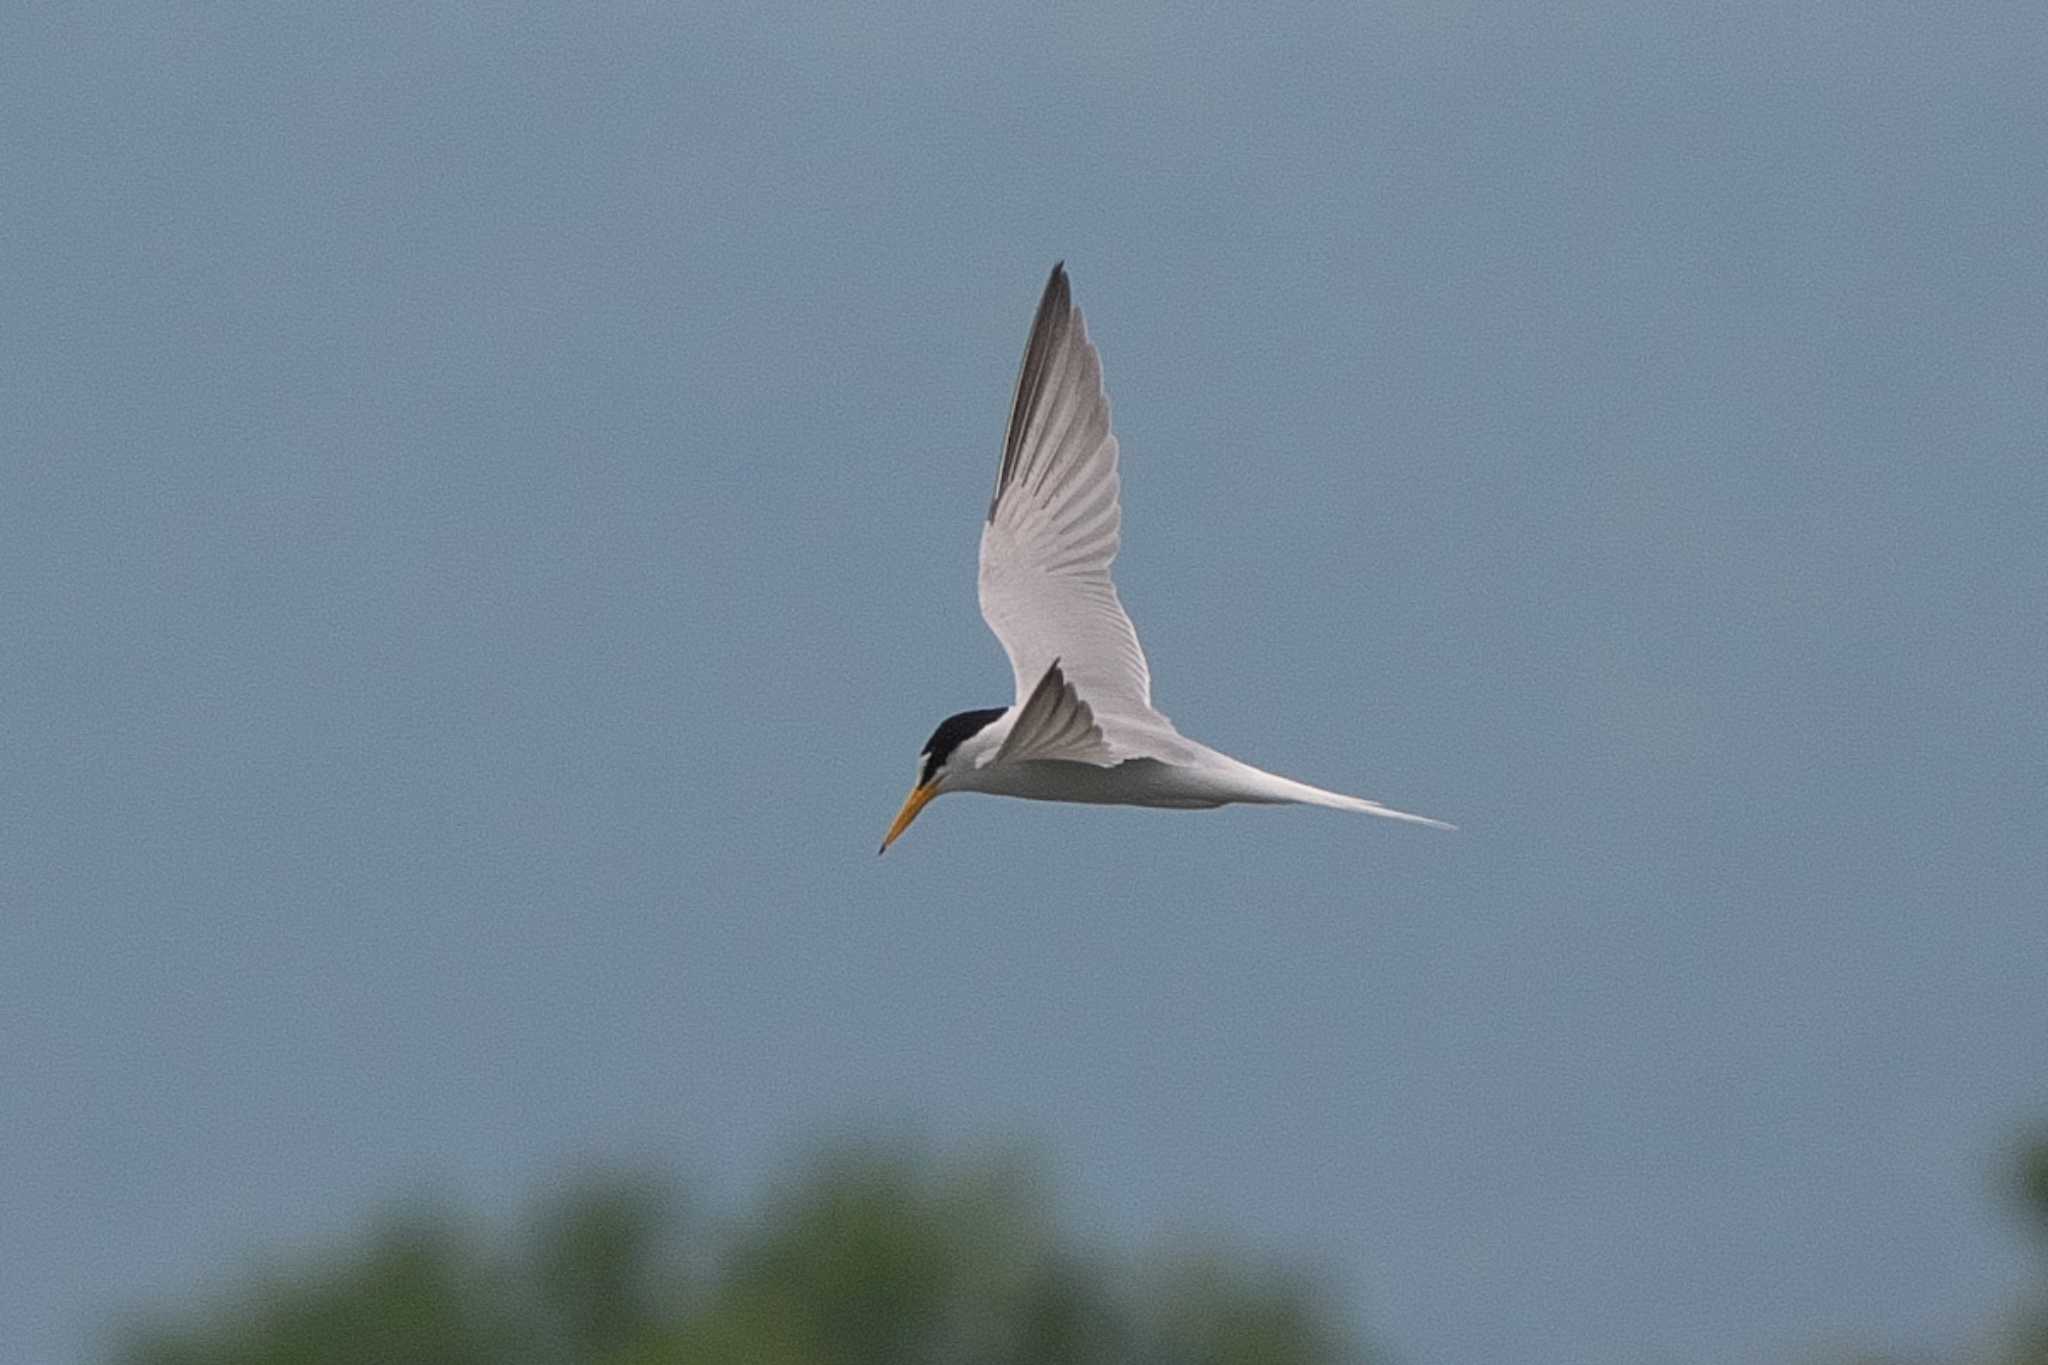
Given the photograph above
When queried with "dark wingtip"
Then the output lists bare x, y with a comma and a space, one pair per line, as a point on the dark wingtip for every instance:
1048, 325
1056, 285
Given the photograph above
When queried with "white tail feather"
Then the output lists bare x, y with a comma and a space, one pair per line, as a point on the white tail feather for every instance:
1272, 787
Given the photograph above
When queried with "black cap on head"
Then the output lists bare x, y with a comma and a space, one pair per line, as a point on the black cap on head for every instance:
953, 731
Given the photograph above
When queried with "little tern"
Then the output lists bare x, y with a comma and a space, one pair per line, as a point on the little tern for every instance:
1082, 727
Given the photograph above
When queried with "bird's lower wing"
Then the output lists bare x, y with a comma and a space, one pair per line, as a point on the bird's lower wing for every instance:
1054, 723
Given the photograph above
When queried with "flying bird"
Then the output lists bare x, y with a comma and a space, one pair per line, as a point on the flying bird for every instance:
1083, 727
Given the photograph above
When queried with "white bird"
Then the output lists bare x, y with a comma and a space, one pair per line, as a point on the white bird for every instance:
1082, 727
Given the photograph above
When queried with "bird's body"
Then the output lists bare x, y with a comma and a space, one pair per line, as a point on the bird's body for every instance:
1183, 775
1083, 727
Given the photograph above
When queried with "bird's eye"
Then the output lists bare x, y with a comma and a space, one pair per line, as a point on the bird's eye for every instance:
925, 770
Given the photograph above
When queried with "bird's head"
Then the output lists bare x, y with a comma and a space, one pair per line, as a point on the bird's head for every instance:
955, 747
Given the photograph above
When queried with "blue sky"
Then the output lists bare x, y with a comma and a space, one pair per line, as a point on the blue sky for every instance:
490, 513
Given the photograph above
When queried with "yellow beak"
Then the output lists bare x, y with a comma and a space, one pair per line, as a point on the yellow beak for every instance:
919, 798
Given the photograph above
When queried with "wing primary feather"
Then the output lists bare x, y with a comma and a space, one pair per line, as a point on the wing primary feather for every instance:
1048, 329
1052, 430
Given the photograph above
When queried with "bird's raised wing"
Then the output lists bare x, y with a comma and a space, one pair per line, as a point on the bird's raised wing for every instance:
1052, 533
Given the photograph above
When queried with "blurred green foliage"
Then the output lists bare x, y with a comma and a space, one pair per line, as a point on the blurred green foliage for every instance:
2026, 1343
868, 1257
2022, 1340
